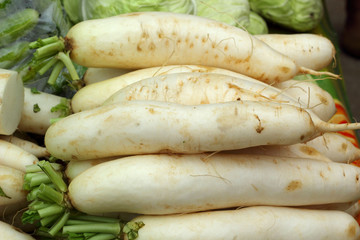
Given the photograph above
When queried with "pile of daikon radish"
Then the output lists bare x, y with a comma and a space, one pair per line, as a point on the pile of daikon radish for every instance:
209, 138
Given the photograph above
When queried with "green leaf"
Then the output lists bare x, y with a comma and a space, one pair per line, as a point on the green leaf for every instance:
30, 216
36, 108
63, 107
232, 12
35, 91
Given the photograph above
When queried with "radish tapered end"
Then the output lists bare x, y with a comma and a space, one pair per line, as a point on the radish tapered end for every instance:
317, 73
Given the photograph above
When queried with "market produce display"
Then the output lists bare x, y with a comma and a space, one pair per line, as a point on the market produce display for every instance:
174, 120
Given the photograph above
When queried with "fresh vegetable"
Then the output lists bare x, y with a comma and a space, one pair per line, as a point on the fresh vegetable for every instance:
50, 208
232, 12
91, 9
15, 157
10, 55
10, 232
298, 150
261, 222
94, 95
308, 50
336, 147
17, 25
12, 101
298, 15
51, 107
176, 6
12, 195
257, 25
169, 184
139, 40
310, 96
26, 145
153, 127
215, 88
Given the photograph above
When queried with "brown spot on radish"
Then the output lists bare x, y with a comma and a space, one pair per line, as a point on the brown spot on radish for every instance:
152, 46
226, 47
323, 99
74, 157
322, 175
258, 128
309, 150
69, 44
302, 137
256, 189
192, 45
145, 34
160, 35
351, 230
138, 48
275, 161
294, 185
357, 178
151, 110
344, 147
285, 69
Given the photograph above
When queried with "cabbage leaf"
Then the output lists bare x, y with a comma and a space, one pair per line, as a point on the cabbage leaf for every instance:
297, 15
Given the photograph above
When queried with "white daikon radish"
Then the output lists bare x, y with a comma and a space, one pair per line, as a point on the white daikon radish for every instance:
12, 196
311, 96
299, 150
11, 233
251, 223
39, 109
147, 39
214, 88
27, 145
15, 157
336, 147
307, 50
75, 168
11, 101
168, 184
94, 95
139, 127
93, 75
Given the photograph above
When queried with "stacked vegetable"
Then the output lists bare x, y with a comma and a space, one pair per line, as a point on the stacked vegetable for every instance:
202, 133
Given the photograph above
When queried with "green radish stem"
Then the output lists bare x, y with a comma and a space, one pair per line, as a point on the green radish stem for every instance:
50, 54
50, 207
